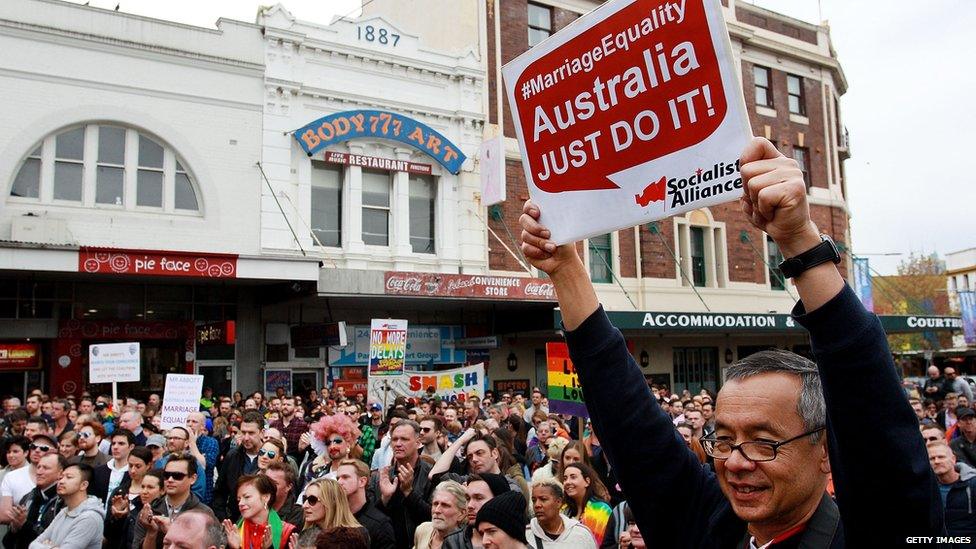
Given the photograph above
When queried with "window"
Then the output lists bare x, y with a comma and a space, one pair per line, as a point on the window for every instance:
695, 368
27, 184
422, 194
601, 258
802, 157
96, 175
327, 203
764, 90
697, 240
794, 91
69, 166
376, 208
540, 23
110, 176
774, 257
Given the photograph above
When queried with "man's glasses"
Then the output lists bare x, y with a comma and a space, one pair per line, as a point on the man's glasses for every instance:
41, 447
85, 435
174, 475
312, 501
425, 429
335, 441
932, 438
753, 450
270, 453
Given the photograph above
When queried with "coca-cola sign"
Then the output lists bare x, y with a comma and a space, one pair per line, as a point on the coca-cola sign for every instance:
471, 286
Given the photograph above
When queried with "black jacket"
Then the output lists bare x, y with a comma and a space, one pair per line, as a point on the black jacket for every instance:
378, 525
159, 508
120, 531
406, 513
654, 466
225, 490
292, 513
960, 505
42, 507
101, 476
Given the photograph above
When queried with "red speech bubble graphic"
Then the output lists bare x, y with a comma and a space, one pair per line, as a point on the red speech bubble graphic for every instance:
641, 84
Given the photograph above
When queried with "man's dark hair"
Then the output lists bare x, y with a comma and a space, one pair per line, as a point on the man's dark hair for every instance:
487, 439
408, 423
130, 438
38, 420
810, 406
438, 422
285, 468
17, 415
65, 404
87, 473
253, 416
190, 461
19, 440
88, 398
342, 537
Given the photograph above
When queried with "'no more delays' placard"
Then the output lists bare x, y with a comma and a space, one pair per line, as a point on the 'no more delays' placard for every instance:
632, 113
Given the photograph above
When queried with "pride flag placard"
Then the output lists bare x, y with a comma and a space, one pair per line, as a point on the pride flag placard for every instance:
565, 392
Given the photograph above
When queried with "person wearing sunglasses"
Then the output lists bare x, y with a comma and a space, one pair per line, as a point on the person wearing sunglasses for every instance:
90, 435
177, 444
179, 475
38, 508
272, 451
18, 483
260, 526
326, 506
334, 439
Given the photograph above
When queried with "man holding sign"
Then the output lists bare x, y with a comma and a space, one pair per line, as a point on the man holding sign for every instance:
782, 423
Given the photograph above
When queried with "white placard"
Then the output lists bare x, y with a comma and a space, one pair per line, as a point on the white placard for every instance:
113, 362
180, 397
492, 164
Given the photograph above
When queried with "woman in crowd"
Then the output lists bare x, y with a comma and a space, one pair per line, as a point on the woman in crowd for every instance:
271, 451
550, 529
333, 440
238, 399
260, 526
447, 513
550, 469
687, 434
68, 444
326, 506
586, 500
120, 522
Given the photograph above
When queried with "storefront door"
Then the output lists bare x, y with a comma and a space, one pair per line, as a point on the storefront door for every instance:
303, 381
217, 375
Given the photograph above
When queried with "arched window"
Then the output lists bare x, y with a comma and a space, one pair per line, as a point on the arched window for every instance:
106, 166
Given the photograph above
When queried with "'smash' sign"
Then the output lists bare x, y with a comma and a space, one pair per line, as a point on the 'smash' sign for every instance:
636, 107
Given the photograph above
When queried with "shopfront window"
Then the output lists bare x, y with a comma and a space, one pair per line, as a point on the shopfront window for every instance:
422, 195
327, 203
376, 207
695, 368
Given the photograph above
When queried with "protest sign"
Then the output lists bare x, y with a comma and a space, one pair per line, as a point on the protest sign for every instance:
632, 113
277, 379
113, 362
180, 397
450, 385
387, 347
565, 394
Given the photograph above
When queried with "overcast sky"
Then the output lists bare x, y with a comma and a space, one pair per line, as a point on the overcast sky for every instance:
908, 108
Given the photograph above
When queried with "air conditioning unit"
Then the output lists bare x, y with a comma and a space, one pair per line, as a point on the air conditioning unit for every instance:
39, 230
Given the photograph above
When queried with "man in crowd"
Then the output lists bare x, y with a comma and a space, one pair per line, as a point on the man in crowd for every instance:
708, 415
86, 406
156, 444
194, 529
771, 455
291, 425
482, 457
132, 421
205, 449
404, 486
109, 476
59, 413
154, 520
480, 489
353, 476
177, 444
36, 426
285, 493
82, 521
37, 509
19, 482
957, 483
240, 461
34, 406
90, 435
430, 431
696, 420
537, 397
957, 384
964, 446
935, 385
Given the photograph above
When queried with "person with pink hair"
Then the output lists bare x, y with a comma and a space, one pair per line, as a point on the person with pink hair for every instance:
333, 439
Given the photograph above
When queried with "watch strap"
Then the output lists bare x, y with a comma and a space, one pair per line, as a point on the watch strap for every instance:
821, 253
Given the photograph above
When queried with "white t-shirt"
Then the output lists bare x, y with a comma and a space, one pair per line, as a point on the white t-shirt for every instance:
17, 484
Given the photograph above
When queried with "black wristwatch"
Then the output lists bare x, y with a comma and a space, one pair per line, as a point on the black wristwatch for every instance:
821, 253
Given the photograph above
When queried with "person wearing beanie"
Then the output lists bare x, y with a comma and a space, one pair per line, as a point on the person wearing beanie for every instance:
480, 489
501, 522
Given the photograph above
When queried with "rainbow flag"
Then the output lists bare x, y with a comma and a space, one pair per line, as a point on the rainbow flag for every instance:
565, 392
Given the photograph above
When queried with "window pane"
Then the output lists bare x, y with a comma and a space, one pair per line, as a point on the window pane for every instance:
111, 145
774, 258
376, 189
761, 97
536, 36
761, 76
71, 144
376, 227
601, 261
422, 214
149, 188
793, 84
67, 181
540, 16
795, 104
28, 181
698, 255
327, 203
110, 185
150, 153
186, 199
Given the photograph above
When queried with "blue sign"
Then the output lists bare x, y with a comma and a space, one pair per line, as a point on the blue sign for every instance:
967, 304
862, 282
425, 345
343, 126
